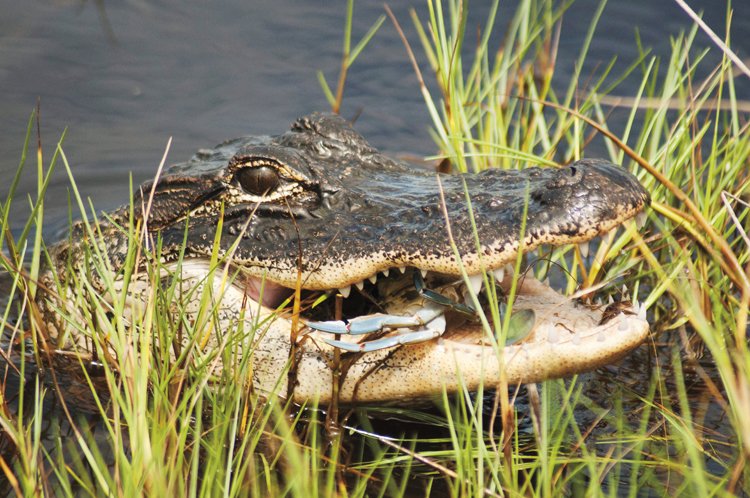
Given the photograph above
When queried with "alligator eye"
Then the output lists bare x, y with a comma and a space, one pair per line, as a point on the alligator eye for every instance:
258, 181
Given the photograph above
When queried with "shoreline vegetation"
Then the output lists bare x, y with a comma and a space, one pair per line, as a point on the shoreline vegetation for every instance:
672, 419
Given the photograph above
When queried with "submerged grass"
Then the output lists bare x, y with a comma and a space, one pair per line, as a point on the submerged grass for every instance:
164, 422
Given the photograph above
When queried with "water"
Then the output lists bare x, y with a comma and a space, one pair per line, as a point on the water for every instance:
123, 77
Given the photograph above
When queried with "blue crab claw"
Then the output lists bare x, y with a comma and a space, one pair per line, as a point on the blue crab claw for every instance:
434, 329
379, 321
366, 324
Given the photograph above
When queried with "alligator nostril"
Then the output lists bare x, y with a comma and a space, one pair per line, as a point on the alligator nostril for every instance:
570, 175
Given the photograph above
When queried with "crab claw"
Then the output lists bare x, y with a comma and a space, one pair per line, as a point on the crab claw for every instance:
435, 329
366, 324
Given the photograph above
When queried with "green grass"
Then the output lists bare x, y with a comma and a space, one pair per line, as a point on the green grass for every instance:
164, 426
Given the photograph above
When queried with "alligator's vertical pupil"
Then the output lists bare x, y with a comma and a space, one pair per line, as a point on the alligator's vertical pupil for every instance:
258, 180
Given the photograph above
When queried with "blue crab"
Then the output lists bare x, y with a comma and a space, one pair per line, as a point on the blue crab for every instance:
421, 319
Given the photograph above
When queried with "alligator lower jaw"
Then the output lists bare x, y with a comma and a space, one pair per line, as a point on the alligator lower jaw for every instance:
568, 338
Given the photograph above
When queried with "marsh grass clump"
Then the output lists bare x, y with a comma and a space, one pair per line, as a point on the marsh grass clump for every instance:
148, 412
687, 141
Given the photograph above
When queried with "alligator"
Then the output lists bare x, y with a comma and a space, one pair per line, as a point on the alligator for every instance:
319, 216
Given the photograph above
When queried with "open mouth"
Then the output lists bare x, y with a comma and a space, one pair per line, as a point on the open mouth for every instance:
406, 305
367, 311
566, 336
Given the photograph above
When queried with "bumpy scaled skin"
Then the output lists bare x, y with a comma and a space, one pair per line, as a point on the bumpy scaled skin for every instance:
359, 212
320, 200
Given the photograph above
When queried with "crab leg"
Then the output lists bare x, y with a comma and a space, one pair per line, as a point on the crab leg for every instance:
379, 321
366, 324
430, 317
388, 342
438, 298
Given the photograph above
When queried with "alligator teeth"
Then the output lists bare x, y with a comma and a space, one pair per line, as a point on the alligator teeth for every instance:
402, 269
386, 272
642, 312
623, 323
509, 269
624, 291
640, 219
373, 278
584, 248
345, 291
360, 285
610, 299
423, 272
499, 274
476, 281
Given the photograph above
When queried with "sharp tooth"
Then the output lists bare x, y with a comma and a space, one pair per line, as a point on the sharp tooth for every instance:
476, 281
624, 291
642, 312
386, 272
598, 301
509, 269
360, 285
423, 272
623, 322
499, 274
584, 248
610, 299
402, 269
641, 219
546, 281
373, 278
344, 291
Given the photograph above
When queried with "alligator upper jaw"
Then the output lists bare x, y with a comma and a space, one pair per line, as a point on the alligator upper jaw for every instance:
373, 216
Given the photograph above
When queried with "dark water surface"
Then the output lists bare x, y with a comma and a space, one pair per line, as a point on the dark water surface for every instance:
125, 76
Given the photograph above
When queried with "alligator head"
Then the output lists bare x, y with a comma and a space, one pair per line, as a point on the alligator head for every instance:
318, 208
